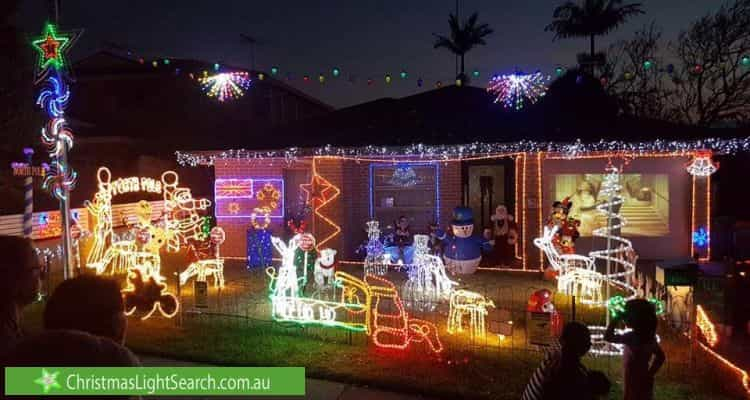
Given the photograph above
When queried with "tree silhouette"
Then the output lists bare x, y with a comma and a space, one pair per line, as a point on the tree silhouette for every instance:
590, 18
463, 38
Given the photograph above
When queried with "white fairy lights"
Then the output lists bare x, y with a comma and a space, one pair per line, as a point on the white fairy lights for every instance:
474, 150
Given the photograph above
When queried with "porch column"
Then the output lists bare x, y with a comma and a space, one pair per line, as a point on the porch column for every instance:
531, 208
701, 216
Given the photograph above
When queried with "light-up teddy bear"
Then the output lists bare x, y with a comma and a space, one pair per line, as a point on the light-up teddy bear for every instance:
463, 250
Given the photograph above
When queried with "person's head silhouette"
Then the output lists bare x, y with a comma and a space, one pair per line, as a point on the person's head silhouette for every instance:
88, 303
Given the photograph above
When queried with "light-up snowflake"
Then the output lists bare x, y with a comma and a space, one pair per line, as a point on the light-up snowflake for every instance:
226, 85
700, 237
515, 90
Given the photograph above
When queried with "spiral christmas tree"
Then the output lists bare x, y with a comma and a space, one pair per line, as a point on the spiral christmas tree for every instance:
587, 277
614, 259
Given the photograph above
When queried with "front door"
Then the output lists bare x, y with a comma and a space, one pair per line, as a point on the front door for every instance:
487, 184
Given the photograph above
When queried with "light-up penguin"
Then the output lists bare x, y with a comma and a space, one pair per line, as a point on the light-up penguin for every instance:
463, 250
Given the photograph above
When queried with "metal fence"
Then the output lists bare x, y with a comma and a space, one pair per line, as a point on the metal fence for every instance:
244, 304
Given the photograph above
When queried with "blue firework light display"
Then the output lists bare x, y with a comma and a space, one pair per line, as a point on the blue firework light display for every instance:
404, 176
515, 90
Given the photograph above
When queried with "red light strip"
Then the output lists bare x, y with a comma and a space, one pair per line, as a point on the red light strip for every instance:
523, 211
539, 205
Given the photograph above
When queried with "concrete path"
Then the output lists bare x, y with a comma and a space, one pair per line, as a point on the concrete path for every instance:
316, 389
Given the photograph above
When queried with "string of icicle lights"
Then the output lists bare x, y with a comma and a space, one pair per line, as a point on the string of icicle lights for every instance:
476, 149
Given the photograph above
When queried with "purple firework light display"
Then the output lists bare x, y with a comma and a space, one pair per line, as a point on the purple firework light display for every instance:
513, 91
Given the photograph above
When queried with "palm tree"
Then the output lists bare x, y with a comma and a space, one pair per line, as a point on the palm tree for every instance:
591, 18
463, 39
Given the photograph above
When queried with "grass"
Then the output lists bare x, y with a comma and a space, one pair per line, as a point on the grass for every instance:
240, 333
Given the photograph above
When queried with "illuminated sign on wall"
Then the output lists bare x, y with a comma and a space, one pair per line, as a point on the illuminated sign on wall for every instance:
241, 198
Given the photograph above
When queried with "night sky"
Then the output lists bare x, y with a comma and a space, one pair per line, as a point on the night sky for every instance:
365, 39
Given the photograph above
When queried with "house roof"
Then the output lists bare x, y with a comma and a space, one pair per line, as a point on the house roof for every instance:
469, 115
119, 96
104, 62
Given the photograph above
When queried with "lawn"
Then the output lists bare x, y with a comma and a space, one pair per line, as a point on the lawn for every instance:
236, 330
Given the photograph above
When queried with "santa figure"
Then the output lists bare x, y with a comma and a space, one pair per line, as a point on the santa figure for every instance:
504, 234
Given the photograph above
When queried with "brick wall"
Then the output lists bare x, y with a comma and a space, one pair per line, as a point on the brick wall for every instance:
531, 201
356, 201
350, 210
236, 228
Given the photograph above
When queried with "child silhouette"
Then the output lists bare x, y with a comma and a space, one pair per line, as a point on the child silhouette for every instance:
643, 356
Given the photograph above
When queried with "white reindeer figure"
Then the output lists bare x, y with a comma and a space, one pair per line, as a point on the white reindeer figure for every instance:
561, 262
464, 302
427, 277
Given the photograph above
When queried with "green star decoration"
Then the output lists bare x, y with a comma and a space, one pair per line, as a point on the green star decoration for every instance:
48, 381
51, 48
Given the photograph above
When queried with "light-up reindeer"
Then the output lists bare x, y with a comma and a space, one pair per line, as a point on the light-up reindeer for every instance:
181, 212
464, 302
427, 278
204, 267
578, 276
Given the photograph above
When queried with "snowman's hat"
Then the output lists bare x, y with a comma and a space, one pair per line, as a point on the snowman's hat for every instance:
463, 216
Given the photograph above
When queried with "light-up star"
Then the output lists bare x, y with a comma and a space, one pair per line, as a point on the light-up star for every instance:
48, 381
317, 189
51, 48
